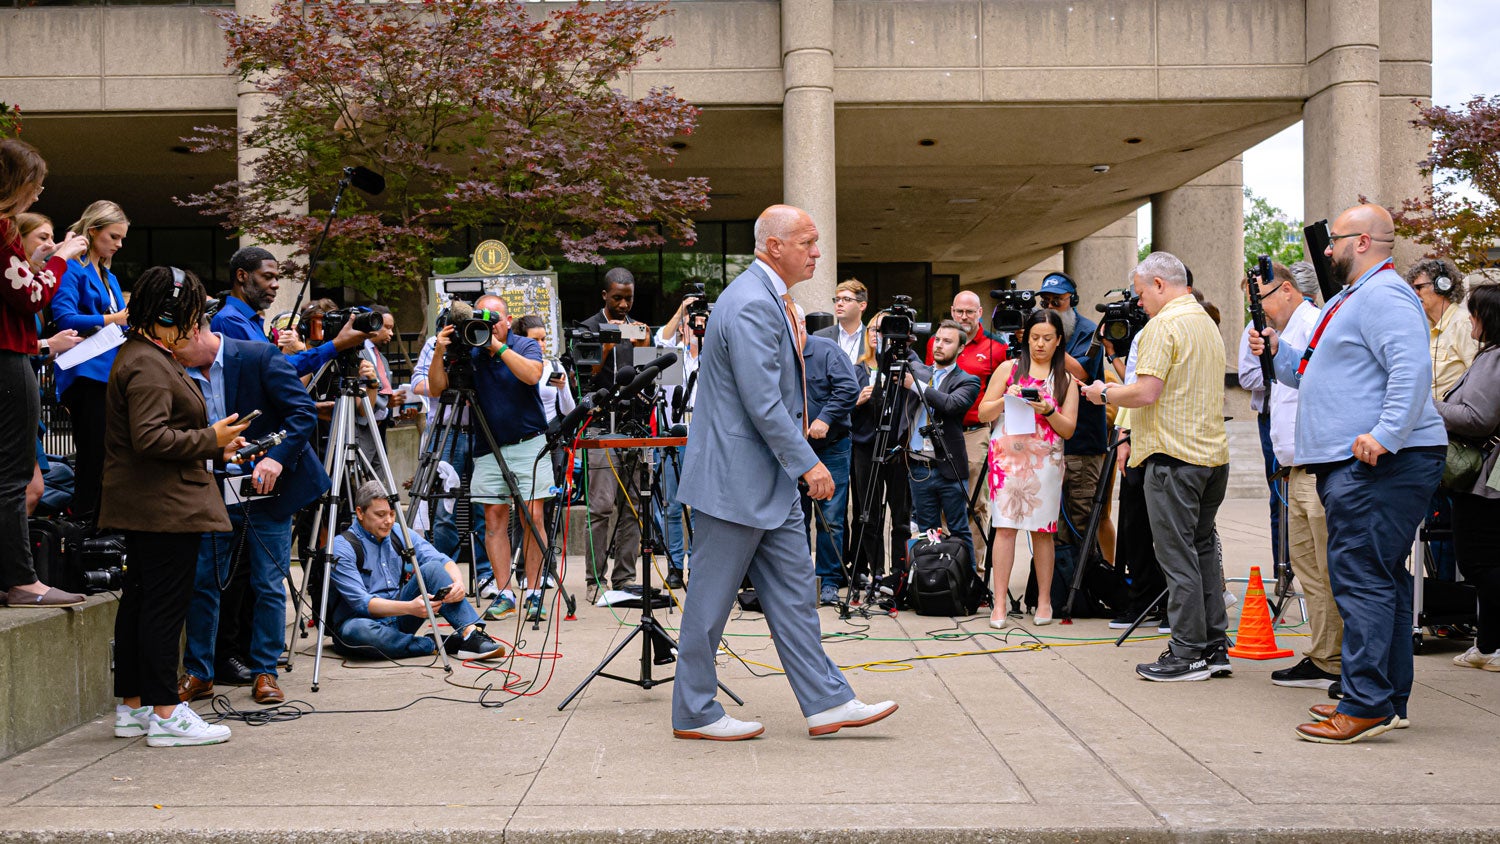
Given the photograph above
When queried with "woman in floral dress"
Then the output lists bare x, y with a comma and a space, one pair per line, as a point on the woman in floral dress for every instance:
1026, 470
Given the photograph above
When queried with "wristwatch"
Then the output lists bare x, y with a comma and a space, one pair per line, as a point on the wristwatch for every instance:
1104, 395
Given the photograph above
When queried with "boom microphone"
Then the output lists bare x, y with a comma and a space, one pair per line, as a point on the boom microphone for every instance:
460, 311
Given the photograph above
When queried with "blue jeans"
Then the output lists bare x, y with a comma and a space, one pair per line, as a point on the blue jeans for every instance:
1373, 513
935, 499
830, 562
669, 471
267, 547
444, 527
393, 637
1269, 456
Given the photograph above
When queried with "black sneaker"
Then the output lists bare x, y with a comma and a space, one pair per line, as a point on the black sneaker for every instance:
1171, 668
1218, 659
1304, 675
674, 580
477, 646
1121, 622
1336, 691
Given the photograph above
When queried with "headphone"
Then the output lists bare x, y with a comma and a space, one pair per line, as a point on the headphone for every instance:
1442, 284
1064, 276
179, 278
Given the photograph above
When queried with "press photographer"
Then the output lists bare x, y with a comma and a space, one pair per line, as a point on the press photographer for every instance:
684, 333
262, 493
506, 370
939, 468
1178, 434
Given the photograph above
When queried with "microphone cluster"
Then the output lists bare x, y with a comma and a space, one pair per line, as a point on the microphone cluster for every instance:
627, 385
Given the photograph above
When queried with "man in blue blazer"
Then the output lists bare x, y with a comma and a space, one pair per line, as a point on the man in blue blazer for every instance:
238, 376
746, 450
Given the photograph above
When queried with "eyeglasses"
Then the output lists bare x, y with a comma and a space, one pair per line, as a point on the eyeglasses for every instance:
1421, 285
844, 300
1332, 237
965, 311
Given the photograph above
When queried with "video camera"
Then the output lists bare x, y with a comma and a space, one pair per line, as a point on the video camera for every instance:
471, 329
1011, 307
900, 321
1122, 320
586, 345
363, 319
699, 309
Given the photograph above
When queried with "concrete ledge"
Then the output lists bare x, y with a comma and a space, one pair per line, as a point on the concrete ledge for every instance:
55, 671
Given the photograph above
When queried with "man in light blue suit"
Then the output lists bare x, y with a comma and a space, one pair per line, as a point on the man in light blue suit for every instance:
746, 451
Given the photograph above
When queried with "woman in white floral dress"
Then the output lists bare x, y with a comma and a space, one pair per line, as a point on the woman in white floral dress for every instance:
1026, 470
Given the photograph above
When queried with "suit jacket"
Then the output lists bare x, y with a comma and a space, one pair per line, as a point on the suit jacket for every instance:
746, 449
832, 388
947, 402
257, 376
81, 301
156, 446
832, 333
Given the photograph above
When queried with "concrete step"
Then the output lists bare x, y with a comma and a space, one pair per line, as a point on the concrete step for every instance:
55, 671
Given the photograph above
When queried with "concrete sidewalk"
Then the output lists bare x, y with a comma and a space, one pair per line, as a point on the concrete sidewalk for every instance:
1027, 734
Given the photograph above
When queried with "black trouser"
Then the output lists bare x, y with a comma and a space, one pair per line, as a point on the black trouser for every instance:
1476, 536
236, 609
20, 411
84, 399
1134, 550
895, 494
153, 606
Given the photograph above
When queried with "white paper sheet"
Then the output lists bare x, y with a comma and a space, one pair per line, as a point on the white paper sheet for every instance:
102, 341
1020, 417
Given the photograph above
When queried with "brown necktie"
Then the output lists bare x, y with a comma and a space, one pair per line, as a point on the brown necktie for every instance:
799, 335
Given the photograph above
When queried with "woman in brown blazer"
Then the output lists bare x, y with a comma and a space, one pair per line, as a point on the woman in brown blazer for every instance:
159, 491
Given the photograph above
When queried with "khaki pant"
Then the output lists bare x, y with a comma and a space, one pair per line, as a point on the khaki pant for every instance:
1307, 538
977, 443
1081, 475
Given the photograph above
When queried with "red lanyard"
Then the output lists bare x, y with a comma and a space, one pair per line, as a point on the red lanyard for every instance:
1323, 323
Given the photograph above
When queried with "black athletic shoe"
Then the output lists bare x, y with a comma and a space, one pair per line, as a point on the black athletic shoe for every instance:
674, 580
1171, 668
1304, 675
1218, 659
1336, 691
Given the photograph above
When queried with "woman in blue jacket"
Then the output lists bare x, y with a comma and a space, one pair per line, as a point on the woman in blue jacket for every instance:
89, 298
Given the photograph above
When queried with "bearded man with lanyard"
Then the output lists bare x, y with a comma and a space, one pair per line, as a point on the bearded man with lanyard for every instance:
1367, 428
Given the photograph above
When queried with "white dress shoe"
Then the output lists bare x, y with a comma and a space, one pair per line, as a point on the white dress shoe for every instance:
1041, 620
724, 729
997, 622
851, 714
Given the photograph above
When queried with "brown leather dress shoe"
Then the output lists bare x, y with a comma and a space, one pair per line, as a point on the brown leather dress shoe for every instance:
1345, 729
266, 691
190, 688
1324, 711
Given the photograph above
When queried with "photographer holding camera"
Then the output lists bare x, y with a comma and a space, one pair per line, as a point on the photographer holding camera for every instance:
939, 465
684, 333
1178, 434
506, 374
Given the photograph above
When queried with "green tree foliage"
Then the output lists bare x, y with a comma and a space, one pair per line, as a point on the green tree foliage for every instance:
477, 113
10, 121
1270, 231
1458, 215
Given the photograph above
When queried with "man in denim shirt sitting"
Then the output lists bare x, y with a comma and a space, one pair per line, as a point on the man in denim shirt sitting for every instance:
374, 611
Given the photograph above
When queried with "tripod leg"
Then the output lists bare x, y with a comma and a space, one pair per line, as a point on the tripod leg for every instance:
1141, 618
335, 465
599, 669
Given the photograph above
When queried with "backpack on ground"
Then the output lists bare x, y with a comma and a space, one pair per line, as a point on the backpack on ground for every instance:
941, 580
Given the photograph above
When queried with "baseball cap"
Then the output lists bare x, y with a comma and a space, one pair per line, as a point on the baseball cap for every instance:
1058, 283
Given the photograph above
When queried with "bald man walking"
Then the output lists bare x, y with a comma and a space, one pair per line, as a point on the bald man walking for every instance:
746, 451
1367, 428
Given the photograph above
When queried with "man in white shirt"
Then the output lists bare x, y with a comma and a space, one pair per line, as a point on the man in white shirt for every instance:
1289, 309
680, 335
850, 299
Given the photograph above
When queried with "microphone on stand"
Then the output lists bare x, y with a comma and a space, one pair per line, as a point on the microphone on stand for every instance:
257, 447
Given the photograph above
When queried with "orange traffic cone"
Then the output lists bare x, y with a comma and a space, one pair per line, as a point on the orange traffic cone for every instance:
1256, 639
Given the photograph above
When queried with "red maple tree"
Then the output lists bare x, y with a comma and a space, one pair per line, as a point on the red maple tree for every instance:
1458, 215
477, 113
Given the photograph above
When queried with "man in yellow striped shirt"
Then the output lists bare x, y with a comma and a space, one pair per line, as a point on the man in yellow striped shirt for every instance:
1177, 435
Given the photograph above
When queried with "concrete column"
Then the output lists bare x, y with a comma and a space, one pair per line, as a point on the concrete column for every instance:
1203, 223
1341, 121
1100, 262
1405, 74
808, 155
250, 103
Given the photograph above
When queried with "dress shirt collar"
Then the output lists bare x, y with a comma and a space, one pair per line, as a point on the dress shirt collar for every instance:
777, 285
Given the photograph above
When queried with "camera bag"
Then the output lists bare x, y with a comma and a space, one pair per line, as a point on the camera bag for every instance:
57, 550
941, 579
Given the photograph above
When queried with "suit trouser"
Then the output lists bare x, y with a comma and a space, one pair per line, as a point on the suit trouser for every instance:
1184, 500
607, 499
1373, 513
1307, 551
780, 566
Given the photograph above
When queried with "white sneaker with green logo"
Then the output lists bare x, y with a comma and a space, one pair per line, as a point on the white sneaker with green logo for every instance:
183, 728
131, 723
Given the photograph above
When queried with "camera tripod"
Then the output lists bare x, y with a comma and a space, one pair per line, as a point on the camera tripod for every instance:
657, 645
345, 465
1090, 537
457, 403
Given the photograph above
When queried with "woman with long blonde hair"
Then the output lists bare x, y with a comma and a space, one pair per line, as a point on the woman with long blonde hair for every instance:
89, 298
